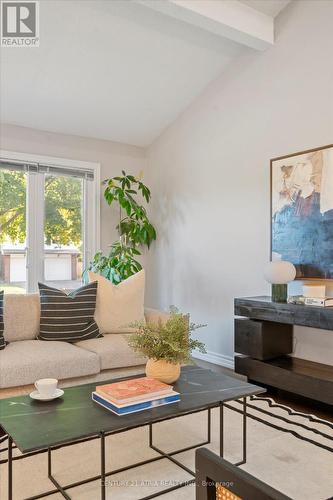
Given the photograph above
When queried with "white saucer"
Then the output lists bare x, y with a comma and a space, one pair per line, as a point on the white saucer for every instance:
39, 397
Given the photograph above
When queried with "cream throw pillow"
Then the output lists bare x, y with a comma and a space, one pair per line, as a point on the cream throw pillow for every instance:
117, 306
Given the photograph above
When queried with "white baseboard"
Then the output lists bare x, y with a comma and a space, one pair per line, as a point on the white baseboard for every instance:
215, 358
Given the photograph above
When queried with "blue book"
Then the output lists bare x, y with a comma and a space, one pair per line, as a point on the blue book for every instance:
145, 405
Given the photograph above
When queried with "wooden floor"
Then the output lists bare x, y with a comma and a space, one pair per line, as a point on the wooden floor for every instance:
293, 401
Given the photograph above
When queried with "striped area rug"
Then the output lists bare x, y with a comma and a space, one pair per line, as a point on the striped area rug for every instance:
303, 426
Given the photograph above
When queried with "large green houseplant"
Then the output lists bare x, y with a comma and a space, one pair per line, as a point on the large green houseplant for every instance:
135, 230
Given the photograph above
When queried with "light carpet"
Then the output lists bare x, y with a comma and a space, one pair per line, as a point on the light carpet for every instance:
300, 469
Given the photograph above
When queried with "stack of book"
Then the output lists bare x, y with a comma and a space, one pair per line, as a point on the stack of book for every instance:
319, 301
130, 396
311, 301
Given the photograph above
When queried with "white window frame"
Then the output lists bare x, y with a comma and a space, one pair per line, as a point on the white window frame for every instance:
35, 231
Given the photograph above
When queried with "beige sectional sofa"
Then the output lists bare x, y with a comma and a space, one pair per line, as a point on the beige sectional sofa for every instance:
25, 359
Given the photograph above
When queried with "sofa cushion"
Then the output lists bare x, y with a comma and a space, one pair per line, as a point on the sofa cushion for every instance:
24, 362
21, 316
68, 318
2, 340
118, 306
155, 316
113, 350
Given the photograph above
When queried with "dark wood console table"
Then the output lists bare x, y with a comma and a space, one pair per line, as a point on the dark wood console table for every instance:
264, 340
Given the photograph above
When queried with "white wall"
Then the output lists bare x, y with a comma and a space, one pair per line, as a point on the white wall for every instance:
112, 156
211, 172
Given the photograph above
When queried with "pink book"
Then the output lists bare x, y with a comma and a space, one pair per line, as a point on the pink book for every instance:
134, 389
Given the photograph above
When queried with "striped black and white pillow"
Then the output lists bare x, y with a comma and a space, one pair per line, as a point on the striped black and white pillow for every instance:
68, 318
2, 339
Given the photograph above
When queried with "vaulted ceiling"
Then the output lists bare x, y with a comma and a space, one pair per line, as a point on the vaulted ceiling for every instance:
124, 70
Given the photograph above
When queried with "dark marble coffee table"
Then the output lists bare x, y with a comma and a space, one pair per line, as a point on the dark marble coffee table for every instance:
36, 427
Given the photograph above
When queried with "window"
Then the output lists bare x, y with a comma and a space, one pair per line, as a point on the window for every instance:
49, 220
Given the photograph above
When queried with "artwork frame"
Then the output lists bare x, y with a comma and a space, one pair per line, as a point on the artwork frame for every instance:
301, 220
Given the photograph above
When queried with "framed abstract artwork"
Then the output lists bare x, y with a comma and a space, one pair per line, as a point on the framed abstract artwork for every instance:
302, 211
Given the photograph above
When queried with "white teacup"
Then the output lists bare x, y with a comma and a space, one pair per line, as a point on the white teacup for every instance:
46, 387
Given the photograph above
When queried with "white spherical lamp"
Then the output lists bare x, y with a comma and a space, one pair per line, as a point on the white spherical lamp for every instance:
279, 273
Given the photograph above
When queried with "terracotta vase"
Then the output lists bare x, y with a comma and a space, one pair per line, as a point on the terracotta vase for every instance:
163, 370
